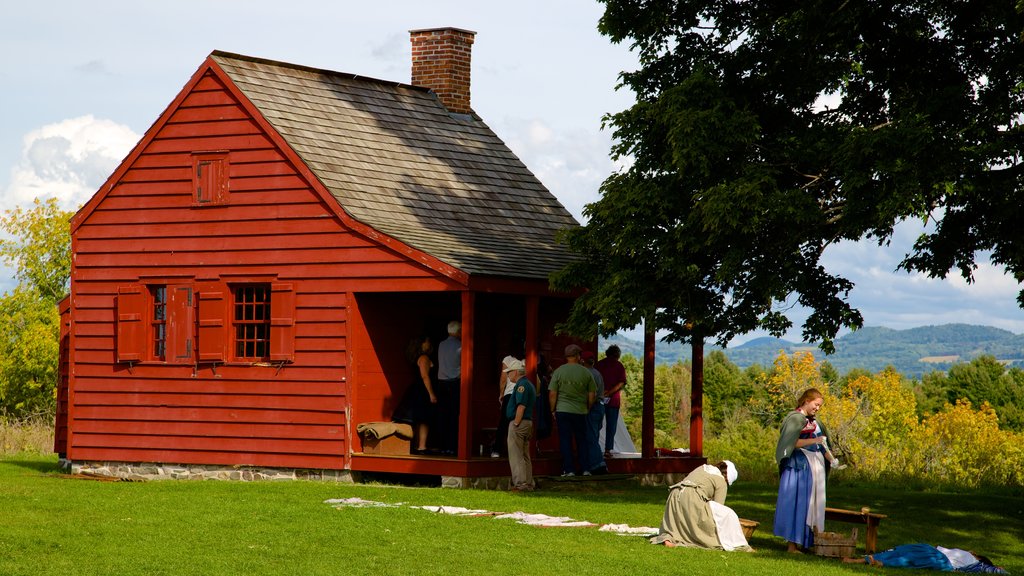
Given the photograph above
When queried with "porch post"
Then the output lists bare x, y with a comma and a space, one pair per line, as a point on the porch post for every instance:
697, 398
466, 378
647, 420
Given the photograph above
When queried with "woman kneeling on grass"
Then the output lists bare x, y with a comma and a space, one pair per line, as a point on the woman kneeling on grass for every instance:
927, 557
696, 514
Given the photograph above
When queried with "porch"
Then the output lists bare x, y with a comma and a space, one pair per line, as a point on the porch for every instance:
652, 469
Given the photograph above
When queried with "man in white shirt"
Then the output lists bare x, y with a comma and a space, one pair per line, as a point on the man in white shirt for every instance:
449, 377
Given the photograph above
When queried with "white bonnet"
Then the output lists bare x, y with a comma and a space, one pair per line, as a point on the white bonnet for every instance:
730, 472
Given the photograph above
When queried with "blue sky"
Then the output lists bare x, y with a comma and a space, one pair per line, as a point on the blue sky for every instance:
82, 81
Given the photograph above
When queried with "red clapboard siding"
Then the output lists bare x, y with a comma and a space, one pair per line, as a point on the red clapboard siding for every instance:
99, 368
171, 441
208, 386
208, 114
203, 416
154, 232
266, 401
199, 429
246, 243
370, 272
228, 458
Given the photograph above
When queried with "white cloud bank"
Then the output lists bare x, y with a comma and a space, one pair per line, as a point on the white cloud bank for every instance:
67, 160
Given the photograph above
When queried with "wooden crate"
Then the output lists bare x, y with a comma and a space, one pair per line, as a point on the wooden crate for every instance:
835, 545
388, 445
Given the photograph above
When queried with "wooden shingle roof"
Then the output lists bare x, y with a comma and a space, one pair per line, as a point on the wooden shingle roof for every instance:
399, 162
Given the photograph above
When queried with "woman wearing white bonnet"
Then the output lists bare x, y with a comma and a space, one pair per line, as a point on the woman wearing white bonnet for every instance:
696, 514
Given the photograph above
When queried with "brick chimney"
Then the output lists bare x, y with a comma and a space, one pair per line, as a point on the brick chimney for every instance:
440, 61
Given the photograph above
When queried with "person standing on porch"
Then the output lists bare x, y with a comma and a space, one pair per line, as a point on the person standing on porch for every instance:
572, 392
595, 417
520, 429
506, 386
449, 377
614, 374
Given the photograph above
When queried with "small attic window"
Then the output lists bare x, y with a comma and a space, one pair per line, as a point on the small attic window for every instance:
210, 184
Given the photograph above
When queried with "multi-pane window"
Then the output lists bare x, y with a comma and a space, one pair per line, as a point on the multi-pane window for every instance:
158, 332
206, 322
252, 322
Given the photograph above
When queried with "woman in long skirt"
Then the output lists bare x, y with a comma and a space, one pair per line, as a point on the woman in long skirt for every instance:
696, 514
800, 454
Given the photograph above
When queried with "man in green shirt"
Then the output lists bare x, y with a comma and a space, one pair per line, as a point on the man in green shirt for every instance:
572, 392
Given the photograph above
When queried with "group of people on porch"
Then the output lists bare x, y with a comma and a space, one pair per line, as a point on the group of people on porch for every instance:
583, 396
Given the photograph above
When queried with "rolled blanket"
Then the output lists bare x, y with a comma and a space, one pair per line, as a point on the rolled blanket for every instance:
380, 430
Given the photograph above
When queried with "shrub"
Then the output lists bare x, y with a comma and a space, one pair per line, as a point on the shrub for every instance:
30, 435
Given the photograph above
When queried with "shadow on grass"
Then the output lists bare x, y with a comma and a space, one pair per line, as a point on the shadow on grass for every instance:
38, 465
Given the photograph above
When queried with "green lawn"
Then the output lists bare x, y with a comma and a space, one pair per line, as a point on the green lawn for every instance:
51, 524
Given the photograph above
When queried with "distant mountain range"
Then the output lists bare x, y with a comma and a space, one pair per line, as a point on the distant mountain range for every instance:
911, 352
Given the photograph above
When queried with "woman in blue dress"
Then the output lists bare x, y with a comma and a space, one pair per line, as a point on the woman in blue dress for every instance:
800, 454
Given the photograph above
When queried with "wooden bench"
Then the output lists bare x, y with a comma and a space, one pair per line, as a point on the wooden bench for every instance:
863, 516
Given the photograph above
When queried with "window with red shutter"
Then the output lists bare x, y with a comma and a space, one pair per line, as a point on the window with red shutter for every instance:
211, 186
212, 326
180, 323
158, 322
131, 329
251, 321
282, 323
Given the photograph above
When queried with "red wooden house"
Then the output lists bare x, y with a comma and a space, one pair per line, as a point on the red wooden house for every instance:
245, 283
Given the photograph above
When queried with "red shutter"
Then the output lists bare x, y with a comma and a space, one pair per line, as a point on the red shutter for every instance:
210, 178
131, 326
213, 328
181, 324
282, 323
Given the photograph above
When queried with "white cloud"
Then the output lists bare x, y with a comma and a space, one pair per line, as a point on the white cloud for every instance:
572, 162
68, 160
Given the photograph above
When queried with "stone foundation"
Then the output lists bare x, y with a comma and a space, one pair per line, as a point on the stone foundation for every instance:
153, 471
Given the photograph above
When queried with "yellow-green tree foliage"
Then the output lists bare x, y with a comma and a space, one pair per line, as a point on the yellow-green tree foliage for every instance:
38, 246
881, 423
963, 446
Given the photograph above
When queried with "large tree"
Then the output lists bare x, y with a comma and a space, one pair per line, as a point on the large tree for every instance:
764, 132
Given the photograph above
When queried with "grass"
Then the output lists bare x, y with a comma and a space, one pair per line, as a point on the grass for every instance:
58, 525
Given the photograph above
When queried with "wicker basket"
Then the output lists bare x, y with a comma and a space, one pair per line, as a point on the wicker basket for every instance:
835, 545
748, 527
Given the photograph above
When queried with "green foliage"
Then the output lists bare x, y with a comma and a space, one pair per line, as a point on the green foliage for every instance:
743, 439
725, 388
28, 353
739, 176
671, 402
40, 251
983, 379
